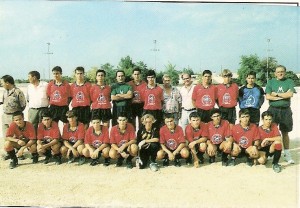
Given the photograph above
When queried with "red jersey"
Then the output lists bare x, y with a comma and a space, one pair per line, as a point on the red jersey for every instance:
73, 136
81, 94
137, 91
205, 98
218, 134
228, 96
195, 134
27, 132
153, 98
273, 131
48, 134
245, 137
171, 140
116, 137
100, 96
96, 140
58, 94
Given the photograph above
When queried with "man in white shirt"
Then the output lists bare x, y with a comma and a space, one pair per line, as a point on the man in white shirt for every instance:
187, 106
36, 97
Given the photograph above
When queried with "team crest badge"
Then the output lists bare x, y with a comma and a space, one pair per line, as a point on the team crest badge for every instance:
101, 98
80, 96
151, 99
97, 143
171, 144
206, 100
216, 138
244, 141
73, 139
250, 101
47, 139
226, 98
56, 95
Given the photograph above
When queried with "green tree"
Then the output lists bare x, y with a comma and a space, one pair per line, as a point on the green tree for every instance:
267, 73
126, 64
293, 76
188, 70
170, 69
247, 64
143, 67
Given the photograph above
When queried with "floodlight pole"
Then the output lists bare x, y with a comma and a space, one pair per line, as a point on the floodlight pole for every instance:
155, 50
49, 53
268, 40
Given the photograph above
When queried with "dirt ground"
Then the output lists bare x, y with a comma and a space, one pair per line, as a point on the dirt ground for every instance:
211, 185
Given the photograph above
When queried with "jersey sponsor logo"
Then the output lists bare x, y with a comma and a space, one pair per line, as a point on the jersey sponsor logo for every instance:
171, 144
122, 142
244, 141
136, 95
216, 138
101, 98
56, 95
280, 90
47, 139
226, 98
80, 96
250, 101
73, 139
151, 99
97, 143
206, 100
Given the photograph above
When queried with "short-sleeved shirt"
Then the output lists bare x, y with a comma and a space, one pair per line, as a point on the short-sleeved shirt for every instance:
169, 139
121, 88
280, 86
273, 131
154, 133
186, 95
48, 134
137, 90
153, 98
205, 98
27, 132
217, 134
228, 95
13, 100
245, 137
195, 134
80, 94
251, 97
58, 94
172, 102
37, 95
73, 136
116, 137
96, 140
100, 96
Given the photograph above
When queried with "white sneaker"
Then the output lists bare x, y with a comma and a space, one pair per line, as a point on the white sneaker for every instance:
288, 158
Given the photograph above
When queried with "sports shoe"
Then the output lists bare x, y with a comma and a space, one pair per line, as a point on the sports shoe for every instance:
57, 159
166, 162
231, 162
13, 163
94, 162
129, 163
46, 160
153, 166
35, 158
276, 168
177, 163
81, 160
6, 157
71, 160
189, 160
224, 163
119, 162
249, 162
288, 158
212, 159
106, 162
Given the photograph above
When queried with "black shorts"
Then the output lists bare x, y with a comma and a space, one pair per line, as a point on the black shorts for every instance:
103, 114
59, 113
137, 109
204, 115
254, 115
83, 114
266, 149
228, 114
121, 110
283, 117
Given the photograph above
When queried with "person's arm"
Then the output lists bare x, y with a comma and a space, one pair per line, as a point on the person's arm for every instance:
53, 142
283, 95
77, 143
170, 154
179, 148
102, 146
266, 141
89, 147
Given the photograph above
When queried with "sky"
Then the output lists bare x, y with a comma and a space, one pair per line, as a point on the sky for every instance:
91, 33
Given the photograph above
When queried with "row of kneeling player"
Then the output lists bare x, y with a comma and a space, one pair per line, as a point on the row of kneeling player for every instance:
149, 144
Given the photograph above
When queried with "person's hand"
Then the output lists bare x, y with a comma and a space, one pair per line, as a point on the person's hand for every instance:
192, 144
171, 156
141, 144
21, 142
227, 147
75, 152
95, 154
210, 150
20, 152
253, 152
265, 142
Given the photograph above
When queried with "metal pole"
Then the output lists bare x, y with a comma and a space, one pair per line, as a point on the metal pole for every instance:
49, 53
155, 50
268, 40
